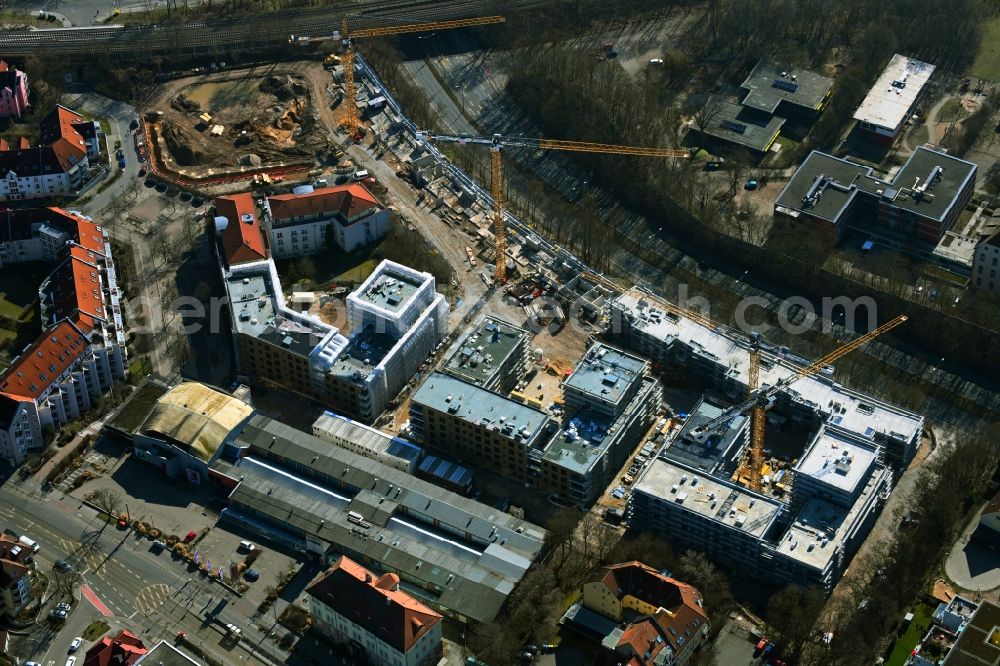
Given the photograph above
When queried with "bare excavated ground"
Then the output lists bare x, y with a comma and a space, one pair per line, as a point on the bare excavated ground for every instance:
268, 116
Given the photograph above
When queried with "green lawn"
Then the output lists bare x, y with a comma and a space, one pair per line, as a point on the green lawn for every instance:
987, 65
905, 643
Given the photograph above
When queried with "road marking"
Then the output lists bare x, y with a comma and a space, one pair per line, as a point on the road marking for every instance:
151, 597
98, 604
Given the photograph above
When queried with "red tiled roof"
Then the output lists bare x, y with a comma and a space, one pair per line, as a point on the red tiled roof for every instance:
3, 66
348, 200
376, 604
49, 356
63, 137
241, 239
11, 572
122, 650
23, 143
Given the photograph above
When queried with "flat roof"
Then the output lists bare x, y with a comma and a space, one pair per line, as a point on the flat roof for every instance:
769, 84
974, 647
745, 127
362, 354
858, 413
390, 290
928, 184
483, 350
896, 89
463, 400
710, 497
704, 451
605, 372
835, 459
586, 437
816, 522
255, 313
473, 552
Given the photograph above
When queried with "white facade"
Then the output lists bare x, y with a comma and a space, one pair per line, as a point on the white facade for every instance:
343, 630
985, 268
891, 99
17, 188
306, 234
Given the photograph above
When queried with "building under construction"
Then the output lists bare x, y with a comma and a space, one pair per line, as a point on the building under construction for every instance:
801, 516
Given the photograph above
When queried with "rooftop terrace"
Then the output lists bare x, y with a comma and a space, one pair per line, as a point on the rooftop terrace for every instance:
389, 291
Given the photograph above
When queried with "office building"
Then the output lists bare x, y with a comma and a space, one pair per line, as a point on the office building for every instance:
984, 264
373, 618
493, 354
58, 165
893, 98
308, 220
396, 316
457, 556
920, 203
81, 351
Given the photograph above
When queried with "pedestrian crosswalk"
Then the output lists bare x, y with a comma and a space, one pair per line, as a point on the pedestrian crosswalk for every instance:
151, 597
82, 556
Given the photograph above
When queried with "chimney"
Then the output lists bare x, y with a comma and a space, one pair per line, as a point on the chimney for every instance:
368, 577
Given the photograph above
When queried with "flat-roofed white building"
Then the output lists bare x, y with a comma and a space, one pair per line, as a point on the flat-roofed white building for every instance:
891, 100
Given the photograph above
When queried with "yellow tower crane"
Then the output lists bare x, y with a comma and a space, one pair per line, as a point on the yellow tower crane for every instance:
497, 142
353, 122
758, 399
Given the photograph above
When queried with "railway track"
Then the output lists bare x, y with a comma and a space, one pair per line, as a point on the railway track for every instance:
248, 33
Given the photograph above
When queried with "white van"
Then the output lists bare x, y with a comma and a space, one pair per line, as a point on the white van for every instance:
360, 175
30, 544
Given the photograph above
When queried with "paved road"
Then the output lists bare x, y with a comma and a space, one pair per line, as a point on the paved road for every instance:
153, 592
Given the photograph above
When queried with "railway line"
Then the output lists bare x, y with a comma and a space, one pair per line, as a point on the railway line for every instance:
254, 33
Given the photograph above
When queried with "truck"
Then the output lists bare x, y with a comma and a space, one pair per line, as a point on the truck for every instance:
30, 544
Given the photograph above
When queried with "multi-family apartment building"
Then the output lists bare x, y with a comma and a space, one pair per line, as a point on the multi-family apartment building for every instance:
657, 619
985, 260
610, 402
81, 351
493, 354
13, 91
373, 618
804, 531
15, 575
58, 165
307, 220
396, 317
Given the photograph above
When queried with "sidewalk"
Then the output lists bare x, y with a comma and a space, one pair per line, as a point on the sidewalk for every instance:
69, 449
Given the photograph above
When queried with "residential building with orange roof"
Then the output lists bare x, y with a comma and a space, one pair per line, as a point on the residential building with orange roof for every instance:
304, 222
373, 617
661, 621
58, 165
123, 650
237, 224
13, 91
81, 351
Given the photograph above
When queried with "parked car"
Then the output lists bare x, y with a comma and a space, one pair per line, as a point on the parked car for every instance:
63, 565
750, 184
75, 645
233, 630
251, 575
57, 615
121, 164
63, 606
246, 547
190, 536
120, 154
71, 661
159, 545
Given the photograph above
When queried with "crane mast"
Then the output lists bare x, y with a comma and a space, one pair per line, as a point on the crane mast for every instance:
353, 121
498, 141
757, 400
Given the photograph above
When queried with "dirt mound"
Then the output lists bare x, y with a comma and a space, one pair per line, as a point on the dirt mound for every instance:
181, 145
284, 87
185, 105
250, 160
288, 120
